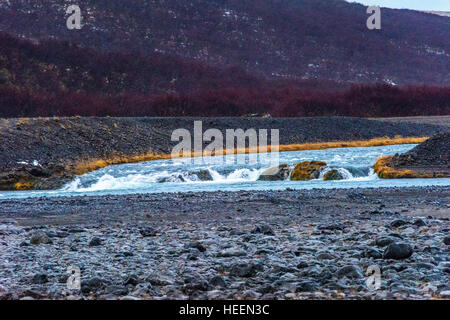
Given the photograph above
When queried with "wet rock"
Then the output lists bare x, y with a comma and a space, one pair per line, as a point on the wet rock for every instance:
398, 251
40, 238
306, 286
217, 281
325, 256
95, 241
40, 278
196, 284
302, 265
245, 270
156, 280
419, 223
307, 170
373, 253
333, 175
383, 241
193, 256
92, 285
264, 229
232, 252
132, 280
116, 290
350, 272
147, 232
204, 175
447, 240
398, 223
197, 245
332, 227
278, 173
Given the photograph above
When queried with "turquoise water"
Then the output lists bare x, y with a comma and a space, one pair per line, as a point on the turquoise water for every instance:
231, 173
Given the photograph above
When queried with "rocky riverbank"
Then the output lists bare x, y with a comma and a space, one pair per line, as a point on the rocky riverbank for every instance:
45, 153
315, 244
429, 159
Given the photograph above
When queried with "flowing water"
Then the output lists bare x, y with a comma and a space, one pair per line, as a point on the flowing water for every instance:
228, 174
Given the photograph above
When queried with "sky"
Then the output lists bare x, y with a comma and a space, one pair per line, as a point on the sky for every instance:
431, 5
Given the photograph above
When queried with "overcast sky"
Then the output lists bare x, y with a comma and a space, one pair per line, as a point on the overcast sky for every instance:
435, 5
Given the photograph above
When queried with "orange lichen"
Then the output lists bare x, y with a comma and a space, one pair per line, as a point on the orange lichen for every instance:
306, 169
24, 185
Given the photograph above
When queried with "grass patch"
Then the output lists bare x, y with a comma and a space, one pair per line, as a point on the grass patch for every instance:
375, 142
384, 171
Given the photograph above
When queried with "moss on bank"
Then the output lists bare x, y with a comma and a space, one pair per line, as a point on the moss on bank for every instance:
383, 167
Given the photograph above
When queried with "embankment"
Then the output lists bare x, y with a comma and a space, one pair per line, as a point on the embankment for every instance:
45, 153
427, 160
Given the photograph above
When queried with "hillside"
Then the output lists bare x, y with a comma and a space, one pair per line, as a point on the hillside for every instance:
288, 39
54, 77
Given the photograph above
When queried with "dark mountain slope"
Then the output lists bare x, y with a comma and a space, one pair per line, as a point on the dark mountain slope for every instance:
308, 39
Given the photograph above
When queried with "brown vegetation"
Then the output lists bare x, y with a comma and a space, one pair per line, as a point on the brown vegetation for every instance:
385, 171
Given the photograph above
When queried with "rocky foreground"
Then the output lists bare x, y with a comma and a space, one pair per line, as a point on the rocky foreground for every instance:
315, 244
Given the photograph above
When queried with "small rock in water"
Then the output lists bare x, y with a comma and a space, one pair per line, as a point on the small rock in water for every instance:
95, 241
398, 251
264, 229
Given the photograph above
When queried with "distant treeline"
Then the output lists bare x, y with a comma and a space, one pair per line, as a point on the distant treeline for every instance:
359, 101
47, 78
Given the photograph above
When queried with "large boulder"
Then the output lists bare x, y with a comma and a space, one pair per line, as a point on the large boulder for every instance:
307, 170
333, 175
277, 173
